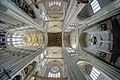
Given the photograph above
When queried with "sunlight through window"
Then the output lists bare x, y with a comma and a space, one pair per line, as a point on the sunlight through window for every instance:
95, 6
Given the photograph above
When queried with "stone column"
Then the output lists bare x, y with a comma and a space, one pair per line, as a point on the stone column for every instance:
21, 64
107, 69
14, 11
73, 70
37, 13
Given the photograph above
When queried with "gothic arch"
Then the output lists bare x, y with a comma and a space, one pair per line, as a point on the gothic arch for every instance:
90, 71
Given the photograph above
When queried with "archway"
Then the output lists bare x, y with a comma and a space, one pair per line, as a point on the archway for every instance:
91, 72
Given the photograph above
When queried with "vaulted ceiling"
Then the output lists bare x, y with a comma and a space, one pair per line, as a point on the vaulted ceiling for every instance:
55, 39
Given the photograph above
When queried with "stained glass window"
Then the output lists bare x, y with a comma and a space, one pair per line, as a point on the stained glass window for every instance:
54, 3
17, 40
94, 74
95, 6
1, 39
54, 72
54, 69
54, 75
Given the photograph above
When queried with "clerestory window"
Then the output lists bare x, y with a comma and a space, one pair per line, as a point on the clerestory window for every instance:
95, 6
